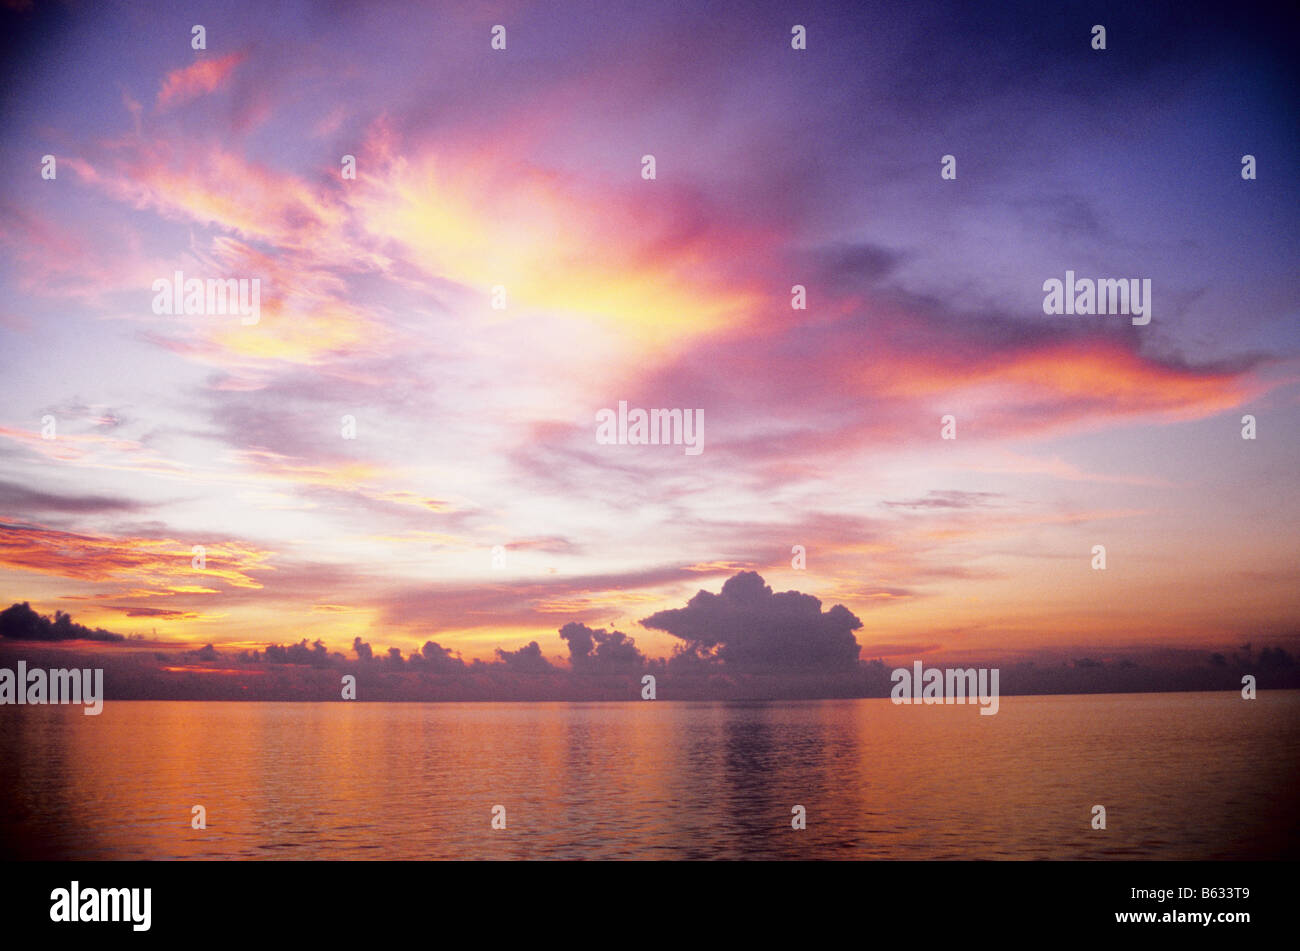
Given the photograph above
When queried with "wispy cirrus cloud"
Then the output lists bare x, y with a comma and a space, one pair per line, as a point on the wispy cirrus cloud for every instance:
17, 501
154, 563
205, 76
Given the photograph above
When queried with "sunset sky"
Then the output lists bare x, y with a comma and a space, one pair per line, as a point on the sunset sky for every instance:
475, 427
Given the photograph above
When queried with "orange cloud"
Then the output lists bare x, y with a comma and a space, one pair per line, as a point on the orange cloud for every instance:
605, 257
159, 565
207, 184
1061, 382
201, 78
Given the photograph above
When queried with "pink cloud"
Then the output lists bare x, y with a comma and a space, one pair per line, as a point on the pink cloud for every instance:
198, 79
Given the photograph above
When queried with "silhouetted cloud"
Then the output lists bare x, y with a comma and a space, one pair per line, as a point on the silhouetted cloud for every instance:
600, 650
747, 626
527, 660
1275, 658
20, 622
748, 643
437, 659
313, 655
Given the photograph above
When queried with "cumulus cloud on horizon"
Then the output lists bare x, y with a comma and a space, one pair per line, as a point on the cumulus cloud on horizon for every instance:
600, 650
747, 626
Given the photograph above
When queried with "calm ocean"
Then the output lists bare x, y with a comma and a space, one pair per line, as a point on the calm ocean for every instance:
1182, 776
